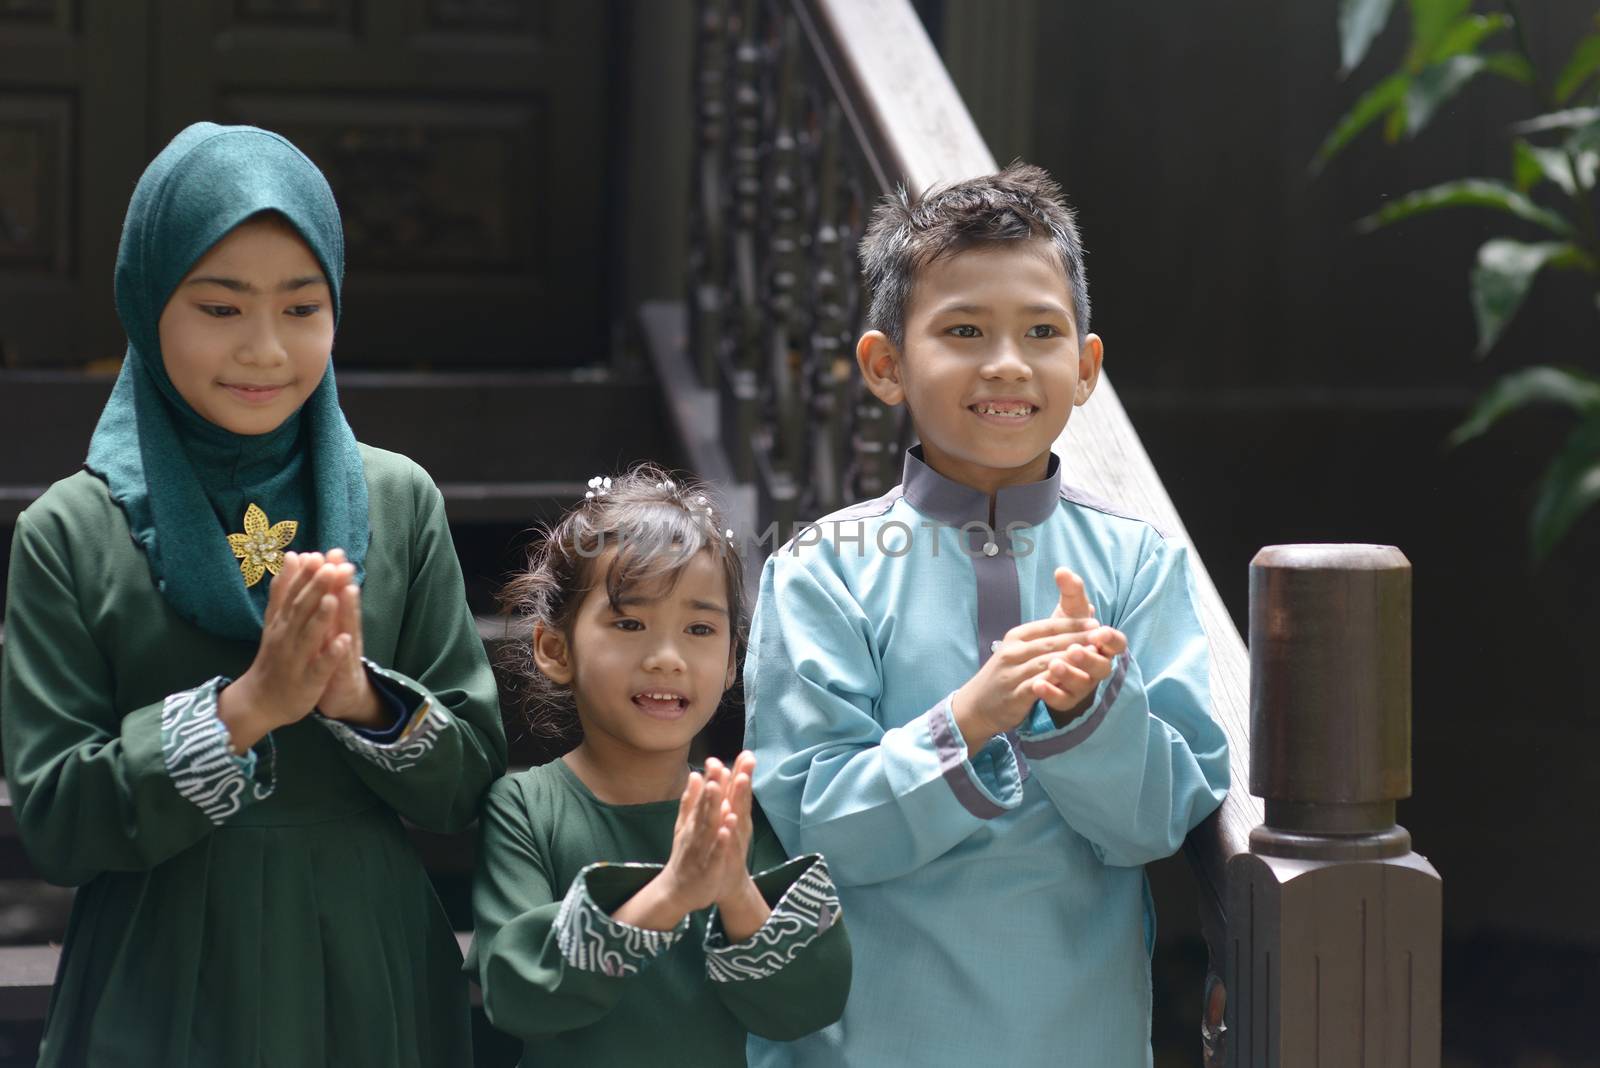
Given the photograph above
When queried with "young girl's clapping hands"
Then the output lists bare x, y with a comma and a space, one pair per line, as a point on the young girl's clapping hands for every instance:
617, 918
710, 841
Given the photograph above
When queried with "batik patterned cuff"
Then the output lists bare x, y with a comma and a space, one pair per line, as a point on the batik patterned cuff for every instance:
803, 914
197, 752
590, 940
423, 726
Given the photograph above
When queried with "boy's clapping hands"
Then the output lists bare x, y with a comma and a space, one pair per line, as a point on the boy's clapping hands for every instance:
1058, 660
1073, 676
710, 842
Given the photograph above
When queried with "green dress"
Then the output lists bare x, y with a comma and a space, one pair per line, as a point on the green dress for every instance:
263, 911
580, 988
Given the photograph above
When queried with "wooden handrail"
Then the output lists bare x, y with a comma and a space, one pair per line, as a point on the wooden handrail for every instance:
846, 100
904, 108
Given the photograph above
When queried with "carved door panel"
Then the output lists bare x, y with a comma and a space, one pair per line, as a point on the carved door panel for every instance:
466, 143
73, 138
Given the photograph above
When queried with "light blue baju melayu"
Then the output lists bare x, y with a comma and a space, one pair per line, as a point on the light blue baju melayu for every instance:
998, 904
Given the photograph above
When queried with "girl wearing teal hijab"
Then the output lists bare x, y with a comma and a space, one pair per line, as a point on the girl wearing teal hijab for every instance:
237, 652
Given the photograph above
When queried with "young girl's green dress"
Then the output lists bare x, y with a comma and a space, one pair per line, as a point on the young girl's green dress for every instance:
580, 988
229, 914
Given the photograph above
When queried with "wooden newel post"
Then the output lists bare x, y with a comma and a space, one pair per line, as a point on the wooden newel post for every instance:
1334, 923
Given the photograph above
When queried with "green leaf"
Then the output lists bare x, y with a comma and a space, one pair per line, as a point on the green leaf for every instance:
1570, 119
1536, 385
1395, 124
1570, 487
1384, 96
1584, 62
1504, 274
1431, 23
1467, 193
1360, 22
1513, 66
1436, 84
1584, 140
1526, 169
1534, 163
1467, 34
1588, 168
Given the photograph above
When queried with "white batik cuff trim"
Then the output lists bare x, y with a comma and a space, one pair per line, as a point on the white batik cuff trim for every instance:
805, 912
590, 940
1036, 745
423, 727
198, 754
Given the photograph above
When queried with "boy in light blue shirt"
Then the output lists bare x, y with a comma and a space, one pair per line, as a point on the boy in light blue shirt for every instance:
983, 696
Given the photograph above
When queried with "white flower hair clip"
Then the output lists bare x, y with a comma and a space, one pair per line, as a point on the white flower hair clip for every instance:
599, 486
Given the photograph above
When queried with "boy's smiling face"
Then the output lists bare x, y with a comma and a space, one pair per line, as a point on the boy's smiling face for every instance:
992, 364
248, 333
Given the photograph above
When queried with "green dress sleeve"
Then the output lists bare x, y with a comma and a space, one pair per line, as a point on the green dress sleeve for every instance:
94, 789
792, 976
547, 964
452, 745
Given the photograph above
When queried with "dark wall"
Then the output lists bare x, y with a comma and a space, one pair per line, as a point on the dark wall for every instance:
1294, 381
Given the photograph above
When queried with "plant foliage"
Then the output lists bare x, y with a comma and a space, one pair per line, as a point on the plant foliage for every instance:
1554, 162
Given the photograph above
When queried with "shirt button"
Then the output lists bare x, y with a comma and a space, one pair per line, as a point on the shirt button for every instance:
990, 548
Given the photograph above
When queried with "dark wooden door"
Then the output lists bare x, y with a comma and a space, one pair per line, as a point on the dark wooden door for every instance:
466, 141
73, 137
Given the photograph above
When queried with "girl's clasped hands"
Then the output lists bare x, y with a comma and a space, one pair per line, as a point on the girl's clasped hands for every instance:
710, 844
310, 653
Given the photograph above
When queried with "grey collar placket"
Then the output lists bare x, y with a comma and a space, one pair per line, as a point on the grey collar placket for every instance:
994, 567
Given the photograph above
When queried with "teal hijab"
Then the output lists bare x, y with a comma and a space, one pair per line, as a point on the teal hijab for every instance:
185, 483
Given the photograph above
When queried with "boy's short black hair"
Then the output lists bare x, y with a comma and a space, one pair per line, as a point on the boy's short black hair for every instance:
1019, 203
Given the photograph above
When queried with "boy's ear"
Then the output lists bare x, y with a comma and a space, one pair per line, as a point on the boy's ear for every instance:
1090, 353
551, 654
879, 361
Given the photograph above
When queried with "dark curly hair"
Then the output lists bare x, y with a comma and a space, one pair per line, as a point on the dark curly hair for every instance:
653, 523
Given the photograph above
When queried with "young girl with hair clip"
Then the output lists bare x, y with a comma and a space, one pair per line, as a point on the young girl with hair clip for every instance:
237, 651
594, 942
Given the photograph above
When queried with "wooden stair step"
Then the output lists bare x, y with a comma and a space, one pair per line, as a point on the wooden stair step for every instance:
499, 444
26, 975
